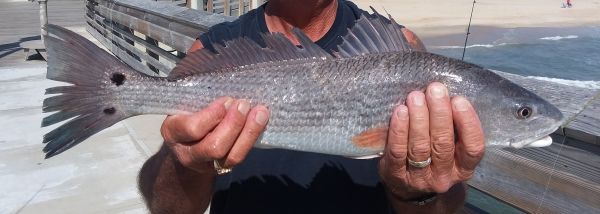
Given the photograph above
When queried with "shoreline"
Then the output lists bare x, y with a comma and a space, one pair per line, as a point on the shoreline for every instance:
492, 35
433, 20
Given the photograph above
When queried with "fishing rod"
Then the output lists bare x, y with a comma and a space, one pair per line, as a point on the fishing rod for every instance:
468, 31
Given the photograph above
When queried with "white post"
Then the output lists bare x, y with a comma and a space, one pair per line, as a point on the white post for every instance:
197, 4
43, 16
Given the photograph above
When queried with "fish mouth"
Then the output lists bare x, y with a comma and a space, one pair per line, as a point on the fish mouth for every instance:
541, 140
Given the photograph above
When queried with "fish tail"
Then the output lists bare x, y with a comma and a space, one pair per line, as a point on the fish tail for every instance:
87, 103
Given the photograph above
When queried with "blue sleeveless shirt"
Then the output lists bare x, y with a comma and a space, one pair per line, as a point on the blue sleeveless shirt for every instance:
283, 181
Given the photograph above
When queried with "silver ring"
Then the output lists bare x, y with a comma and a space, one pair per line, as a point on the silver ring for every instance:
220, 170
419, 164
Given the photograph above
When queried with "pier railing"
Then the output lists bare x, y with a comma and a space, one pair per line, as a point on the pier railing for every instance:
147, 35
153, 36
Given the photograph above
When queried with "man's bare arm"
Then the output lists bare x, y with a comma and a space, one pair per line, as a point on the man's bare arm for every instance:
169, 187
179, 178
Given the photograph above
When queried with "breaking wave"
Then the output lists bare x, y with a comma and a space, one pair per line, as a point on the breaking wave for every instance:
587, 84
577, 83
470, 46
555, 38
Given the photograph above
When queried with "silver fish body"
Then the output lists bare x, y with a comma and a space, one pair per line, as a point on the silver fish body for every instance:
321, 105
332, 105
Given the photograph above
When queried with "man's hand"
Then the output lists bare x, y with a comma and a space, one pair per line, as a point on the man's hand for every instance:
424, 128
224, 131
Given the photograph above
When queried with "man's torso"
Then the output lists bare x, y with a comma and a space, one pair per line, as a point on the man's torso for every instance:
282, 181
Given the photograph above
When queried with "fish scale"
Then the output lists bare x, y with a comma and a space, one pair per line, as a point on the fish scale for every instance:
336, 103
365, 103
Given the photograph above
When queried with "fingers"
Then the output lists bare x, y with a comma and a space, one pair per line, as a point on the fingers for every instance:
224, 131
397, 143
254, 127
419, 148
192, 128
418, 142
217, 144
442, 134
393, 162
430, 130
470, 147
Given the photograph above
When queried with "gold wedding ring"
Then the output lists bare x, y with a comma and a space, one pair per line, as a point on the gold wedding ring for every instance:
419, 164
220, 170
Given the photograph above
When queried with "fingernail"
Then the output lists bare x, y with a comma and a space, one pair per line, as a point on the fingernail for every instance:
228, 102
243, 107
418, 99
461, 104
402, 112
261, 118
437, 91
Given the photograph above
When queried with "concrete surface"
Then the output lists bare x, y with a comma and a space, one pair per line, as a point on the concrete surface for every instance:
97, 176
20, 22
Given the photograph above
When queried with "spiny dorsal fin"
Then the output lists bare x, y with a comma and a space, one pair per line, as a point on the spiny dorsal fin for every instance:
244, 51
373, 34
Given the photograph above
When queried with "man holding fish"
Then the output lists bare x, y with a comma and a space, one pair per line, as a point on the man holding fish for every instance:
433, 144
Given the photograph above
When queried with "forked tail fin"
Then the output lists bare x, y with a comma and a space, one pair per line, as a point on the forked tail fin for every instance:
88, 102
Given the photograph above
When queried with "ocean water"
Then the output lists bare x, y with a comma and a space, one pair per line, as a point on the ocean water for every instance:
566, 58
571, 57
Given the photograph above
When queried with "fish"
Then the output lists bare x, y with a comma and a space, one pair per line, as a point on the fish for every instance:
338, 102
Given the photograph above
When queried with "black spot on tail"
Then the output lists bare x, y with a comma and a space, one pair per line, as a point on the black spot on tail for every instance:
110, 110
117, 78
80, 106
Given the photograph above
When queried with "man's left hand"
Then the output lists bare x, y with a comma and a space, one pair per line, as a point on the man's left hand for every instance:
425, 128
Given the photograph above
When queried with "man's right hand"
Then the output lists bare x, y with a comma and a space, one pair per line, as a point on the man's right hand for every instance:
225, 131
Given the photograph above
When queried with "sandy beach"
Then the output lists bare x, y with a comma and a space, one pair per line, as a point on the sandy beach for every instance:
435, 18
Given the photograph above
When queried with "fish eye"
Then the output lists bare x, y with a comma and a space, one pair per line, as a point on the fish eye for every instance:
524, 112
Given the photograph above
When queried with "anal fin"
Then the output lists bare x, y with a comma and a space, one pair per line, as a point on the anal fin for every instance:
373, 138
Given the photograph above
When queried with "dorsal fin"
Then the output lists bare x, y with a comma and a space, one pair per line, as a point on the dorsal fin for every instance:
244, 51
373, 33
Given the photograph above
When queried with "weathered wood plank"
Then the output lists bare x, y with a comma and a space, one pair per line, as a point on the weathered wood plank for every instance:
586, 126
107, 34
556, 179
556, 184
170, 58
209, 6
226, 8
163, 54
174, 39
96, 33
201, 19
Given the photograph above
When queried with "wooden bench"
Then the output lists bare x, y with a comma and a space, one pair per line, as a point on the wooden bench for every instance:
36, 45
